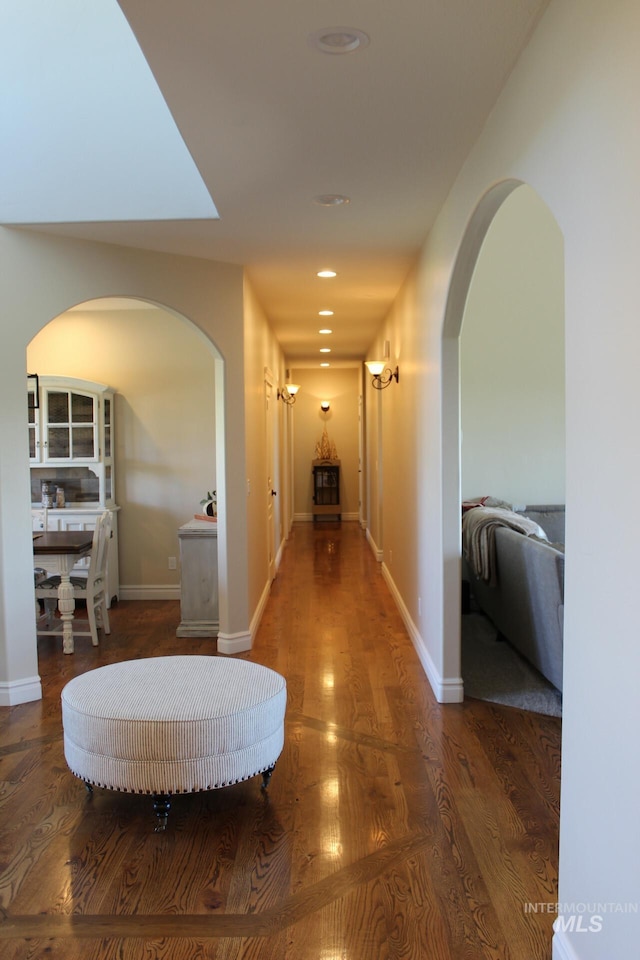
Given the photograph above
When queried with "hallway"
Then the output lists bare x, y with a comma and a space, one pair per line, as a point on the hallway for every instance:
394, 827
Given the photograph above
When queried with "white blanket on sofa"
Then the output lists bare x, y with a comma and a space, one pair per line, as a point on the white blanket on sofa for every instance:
479, 537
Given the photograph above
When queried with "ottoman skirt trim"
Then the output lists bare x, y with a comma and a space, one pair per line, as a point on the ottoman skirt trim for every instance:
157, 738
174, 776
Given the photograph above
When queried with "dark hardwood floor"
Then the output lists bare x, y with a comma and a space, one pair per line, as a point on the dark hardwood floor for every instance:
395, 828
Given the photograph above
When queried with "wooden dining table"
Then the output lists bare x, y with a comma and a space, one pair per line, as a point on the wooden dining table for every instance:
59, 551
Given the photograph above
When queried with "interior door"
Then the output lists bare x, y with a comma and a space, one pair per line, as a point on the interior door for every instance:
271, 492
361, 511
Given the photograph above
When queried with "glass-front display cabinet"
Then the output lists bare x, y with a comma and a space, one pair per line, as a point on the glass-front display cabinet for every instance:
326, 488
71, 453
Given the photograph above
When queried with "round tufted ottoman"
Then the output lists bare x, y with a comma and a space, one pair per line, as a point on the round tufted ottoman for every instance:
173, 725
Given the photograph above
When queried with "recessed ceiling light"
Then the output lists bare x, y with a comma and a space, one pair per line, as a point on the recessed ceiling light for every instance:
331, 200
325, 313
325, 330
325, 364
325, 349
326, 273
338, 39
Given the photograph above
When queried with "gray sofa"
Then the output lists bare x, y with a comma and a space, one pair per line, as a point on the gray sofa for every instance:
526, 604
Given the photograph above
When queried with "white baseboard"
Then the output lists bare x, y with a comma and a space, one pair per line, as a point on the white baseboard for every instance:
13, 692
446, 689
258, 612
150, 591
231, 643
309, 517
450, 690
561, 948
377, 552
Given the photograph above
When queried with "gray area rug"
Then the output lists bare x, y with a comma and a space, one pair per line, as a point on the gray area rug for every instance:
494, 670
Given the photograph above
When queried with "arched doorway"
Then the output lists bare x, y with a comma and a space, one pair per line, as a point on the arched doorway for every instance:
45, 276
163, 371
513, 474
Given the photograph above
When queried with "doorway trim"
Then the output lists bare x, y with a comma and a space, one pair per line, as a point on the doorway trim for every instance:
461, 277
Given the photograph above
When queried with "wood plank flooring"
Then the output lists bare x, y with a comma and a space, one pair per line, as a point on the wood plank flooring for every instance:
395, 828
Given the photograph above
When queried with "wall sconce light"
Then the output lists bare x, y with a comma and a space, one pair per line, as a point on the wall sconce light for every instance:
288, 392
382, 376
324, 406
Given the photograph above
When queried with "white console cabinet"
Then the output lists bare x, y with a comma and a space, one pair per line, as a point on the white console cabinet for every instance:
198, 579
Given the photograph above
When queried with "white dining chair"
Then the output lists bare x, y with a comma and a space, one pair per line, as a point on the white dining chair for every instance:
92, 588
40, 519
40, 524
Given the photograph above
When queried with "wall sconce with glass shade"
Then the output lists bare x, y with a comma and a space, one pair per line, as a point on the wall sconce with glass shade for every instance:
382, 375
288, 392
325, 406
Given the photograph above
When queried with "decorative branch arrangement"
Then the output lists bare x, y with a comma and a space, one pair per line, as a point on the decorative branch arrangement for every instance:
325, 448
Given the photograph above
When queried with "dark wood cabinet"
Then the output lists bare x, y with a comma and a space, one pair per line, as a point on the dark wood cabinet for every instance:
326, 488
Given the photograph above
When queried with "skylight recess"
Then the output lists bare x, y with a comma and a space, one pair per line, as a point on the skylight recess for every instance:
85, 134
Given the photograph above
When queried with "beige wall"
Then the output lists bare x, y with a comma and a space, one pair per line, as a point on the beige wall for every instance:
43, 277
264, 369
163, 371
565, 125
399, 433
512, 359
342, 388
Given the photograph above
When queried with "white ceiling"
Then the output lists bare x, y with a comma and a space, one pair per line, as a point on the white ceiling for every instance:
269, 123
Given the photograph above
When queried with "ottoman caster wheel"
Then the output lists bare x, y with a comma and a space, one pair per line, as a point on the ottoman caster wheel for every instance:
266, 777
161, 806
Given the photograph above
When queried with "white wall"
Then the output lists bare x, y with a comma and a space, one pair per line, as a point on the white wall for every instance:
566, 125
163, 371
512, 359
44, 276
342, 388
403, 450
263, 357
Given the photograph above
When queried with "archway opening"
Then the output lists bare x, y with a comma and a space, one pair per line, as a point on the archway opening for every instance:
504, 375
168, 448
